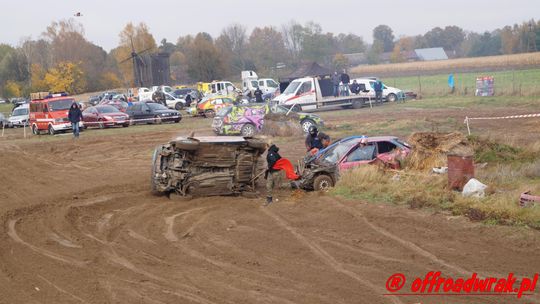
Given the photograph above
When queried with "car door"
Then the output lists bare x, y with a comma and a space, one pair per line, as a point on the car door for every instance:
135, 111
358, 156
146, 112
306, 94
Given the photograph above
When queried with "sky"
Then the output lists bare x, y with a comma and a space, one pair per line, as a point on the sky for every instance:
104, 19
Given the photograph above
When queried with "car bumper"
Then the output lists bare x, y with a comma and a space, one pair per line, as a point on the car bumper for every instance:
63, 126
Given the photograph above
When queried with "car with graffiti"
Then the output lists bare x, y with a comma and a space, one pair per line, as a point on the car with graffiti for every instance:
209, 106
247, 120
321, 171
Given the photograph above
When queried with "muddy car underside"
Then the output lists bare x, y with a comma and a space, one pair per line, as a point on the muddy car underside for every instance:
206, 166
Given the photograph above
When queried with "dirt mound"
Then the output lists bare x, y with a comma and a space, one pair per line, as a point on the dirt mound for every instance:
430, 149
277, 124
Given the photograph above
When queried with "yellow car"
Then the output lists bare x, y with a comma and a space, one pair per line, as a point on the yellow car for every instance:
208, 106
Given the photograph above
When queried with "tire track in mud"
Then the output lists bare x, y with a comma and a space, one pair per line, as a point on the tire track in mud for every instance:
327, 258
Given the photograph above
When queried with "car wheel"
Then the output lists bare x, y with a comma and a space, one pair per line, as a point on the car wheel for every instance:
157, 120
391, 97
51, 130
248, 130
153, 181
178, 106
209, 113
35, 130
125, 125
357, 104
306, 124
296, 108
323, 183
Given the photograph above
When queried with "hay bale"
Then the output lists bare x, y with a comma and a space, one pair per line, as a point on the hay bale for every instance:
430, 149
278, 124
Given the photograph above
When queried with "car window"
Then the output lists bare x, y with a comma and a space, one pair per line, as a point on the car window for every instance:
169, 97
336, 152
372, 84
291, 88
62, 104
20, 111
306, 87
224, 111
255, 84
362, 153
386, 146
136, 107
107, 109
217, 101
271, 84
261, 83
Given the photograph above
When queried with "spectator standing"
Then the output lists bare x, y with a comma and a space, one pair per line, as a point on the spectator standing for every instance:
378, 87
335, 81
75, 116
345, 79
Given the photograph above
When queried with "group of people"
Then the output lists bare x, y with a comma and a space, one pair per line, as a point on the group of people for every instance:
342, 86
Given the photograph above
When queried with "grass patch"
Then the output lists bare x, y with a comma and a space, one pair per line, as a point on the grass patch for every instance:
421, 190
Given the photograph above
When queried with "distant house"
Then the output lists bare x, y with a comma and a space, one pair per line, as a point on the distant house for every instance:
431, 54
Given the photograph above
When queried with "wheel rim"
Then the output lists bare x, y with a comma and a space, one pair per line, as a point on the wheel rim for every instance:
51, 130
248, 130
306, 125
392, 98
324, 185
178, 106
210, 114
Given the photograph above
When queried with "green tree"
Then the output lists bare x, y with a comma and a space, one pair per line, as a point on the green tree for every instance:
266, 47
374, 53
204, 59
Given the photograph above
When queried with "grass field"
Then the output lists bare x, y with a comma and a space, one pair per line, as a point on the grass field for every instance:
507, 83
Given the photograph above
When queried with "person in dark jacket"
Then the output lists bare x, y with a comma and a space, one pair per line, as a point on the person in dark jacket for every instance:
75, 116
159, 96
312, 139
378, 87
355, 87
345, 79
335, 82
258, 95
272, 175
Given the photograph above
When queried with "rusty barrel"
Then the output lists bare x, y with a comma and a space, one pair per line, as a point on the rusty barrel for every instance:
460, 171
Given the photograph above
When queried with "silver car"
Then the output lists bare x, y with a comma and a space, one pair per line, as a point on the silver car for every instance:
19, 116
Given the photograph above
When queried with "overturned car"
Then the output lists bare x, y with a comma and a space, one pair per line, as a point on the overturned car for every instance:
206, 166
321, 171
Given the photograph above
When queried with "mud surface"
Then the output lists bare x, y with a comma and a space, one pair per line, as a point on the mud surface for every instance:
79, 225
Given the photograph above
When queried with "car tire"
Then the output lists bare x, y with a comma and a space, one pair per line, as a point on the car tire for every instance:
248, 130
306, 124
357, 104
187, 144
157, 120
178, 106
125, 125
209, 113
51, 130
391, 97
323, 183
153, 182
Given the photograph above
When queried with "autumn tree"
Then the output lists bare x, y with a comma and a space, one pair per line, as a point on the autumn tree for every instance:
204, 60
340, 62
401, 47
66, 76
12, 89
233, 44
266, 47
350, 43
384, 36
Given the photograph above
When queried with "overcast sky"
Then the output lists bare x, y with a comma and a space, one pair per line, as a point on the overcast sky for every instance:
104, 19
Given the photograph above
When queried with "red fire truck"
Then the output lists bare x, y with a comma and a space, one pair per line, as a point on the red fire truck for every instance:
49, 113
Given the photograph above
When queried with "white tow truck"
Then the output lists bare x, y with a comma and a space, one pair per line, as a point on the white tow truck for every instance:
310, 93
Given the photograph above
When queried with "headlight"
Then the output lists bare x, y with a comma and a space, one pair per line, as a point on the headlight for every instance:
58, 120
107, 117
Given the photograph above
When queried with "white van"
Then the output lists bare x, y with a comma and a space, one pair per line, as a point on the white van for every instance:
389, 93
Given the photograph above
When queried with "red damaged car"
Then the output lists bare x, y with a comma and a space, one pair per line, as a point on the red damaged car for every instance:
103, 116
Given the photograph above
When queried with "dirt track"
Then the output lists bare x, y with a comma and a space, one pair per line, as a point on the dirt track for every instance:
79, 225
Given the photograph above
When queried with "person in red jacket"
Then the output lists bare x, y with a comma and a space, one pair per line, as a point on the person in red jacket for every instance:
275, 164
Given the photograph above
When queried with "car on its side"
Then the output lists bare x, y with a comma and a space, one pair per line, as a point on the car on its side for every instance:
247, 120
149, 112
322, 171
19, 116
103, 116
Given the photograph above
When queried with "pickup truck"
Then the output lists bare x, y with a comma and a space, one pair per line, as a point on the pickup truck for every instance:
309, 94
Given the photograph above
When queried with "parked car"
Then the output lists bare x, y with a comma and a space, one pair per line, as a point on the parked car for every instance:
174, 102
389, 93
321, 171
103, 116
19, 116
247, 120
148, 112
187, 94
208, 106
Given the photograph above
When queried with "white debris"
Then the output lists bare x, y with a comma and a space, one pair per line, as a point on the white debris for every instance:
474, 188
440, 170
